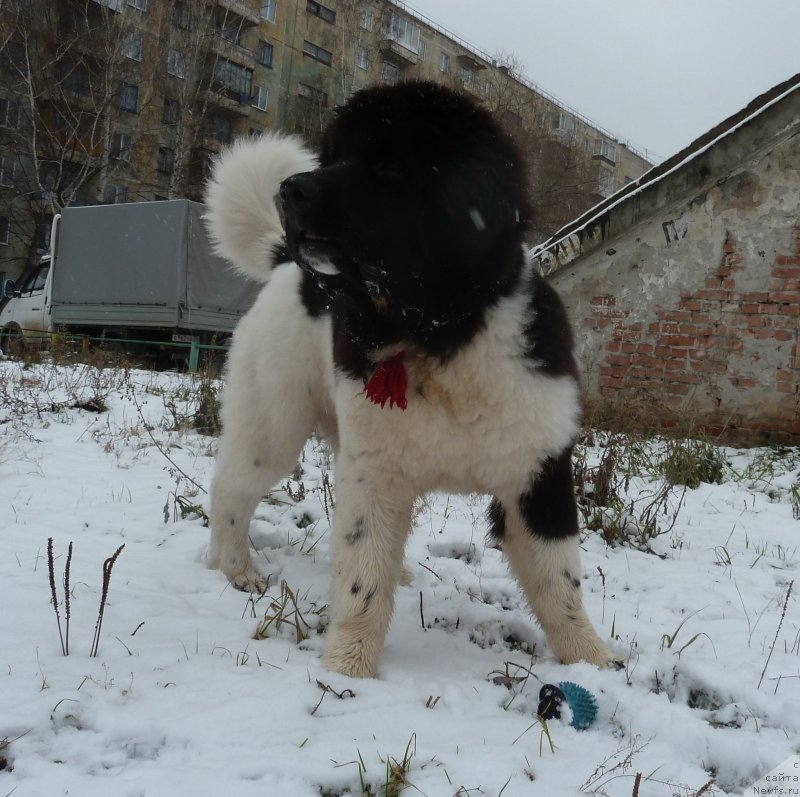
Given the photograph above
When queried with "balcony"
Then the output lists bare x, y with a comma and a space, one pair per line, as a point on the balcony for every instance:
209, 143
225, 48
605, 150
470, 62
113, 5
43, 201
397, 53
227, 99
248, 14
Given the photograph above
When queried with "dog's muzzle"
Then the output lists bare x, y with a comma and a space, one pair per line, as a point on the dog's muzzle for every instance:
300, 200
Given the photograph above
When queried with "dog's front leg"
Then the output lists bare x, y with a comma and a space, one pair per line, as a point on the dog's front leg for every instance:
539, 533
370, 526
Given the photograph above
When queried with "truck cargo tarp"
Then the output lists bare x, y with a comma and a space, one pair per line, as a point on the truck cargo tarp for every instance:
144, 264
211, 284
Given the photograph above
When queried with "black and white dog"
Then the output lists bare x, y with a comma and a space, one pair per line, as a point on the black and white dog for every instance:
404, 324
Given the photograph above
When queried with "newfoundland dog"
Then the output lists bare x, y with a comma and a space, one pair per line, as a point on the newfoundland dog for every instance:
401, 320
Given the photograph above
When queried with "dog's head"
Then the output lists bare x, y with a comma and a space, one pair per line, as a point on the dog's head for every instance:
420, 197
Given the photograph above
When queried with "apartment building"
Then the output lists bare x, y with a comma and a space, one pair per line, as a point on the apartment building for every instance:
129, 100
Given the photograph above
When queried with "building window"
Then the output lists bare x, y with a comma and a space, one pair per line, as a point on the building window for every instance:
234, 78
74, 78
176, 63
390, 73
129, 97
362, 57
220, 129
40, 243
121, 146
467, 76
317, 53
320, 11
487, 89
260, 97
132, 46
170, 112
115, 194
48, 173
269, 10
140, 5
401, 30
423, 49
367, 20
181, 17
317, 96
605, 182
444, 62
200, 164
9, 114
266, 53
165, 160
4, 225
7, 168
607, 150
562, 123
13, 58
231, 33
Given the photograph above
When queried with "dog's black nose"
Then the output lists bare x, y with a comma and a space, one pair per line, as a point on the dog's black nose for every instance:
299, 189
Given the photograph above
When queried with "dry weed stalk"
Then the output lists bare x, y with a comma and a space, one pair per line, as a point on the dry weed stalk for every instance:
777, 631
54, 596
107, 566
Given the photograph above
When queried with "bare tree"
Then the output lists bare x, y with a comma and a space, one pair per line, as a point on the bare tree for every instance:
198, 36
66, 63
62, 66
563, 173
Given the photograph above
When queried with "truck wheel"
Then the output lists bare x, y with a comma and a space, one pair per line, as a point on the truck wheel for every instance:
11, 342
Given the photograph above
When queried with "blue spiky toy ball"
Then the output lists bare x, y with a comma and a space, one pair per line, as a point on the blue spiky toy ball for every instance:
582, 703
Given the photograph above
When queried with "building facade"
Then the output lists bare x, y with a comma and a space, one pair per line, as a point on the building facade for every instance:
129, 100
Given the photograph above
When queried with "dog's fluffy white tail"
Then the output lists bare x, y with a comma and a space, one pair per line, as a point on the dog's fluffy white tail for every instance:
241, 216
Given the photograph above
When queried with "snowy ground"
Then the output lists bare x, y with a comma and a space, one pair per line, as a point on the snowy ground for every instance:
183, 700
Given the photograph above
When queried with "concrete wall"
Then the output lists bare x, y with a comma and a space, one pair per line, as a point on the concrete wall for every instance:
685, 297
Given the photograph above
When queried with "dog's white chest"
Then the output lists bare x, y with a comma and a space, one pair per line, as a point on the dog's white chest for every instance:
478, 423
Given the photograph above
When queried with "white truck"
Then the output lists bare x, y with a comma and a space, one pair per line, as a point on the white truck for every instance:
140, 274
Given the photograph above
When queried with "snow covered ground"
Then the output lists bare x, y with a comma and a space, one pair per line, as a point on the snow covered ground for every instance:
182, 699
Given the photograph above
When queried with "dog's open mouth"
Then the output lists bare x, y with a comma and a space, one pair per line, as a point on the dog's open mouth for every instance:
314, 252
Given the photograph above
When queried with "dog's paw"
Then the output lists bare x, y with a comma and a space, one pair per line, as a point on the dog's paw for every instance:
251, 581
357, 658
588, 648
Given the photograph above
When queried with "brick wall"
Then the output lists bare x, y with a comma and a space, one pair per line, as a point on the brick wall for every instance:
725, 351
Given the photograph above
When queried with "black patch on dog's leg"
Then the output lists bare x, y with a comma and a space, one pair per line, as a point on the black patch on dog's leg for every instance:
575, 582
359, 529
548, 506
496, 516
356, 588
368, 598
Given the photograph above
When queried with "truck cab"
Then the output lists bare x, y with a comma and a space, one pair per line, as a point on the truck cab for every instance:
26, 317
